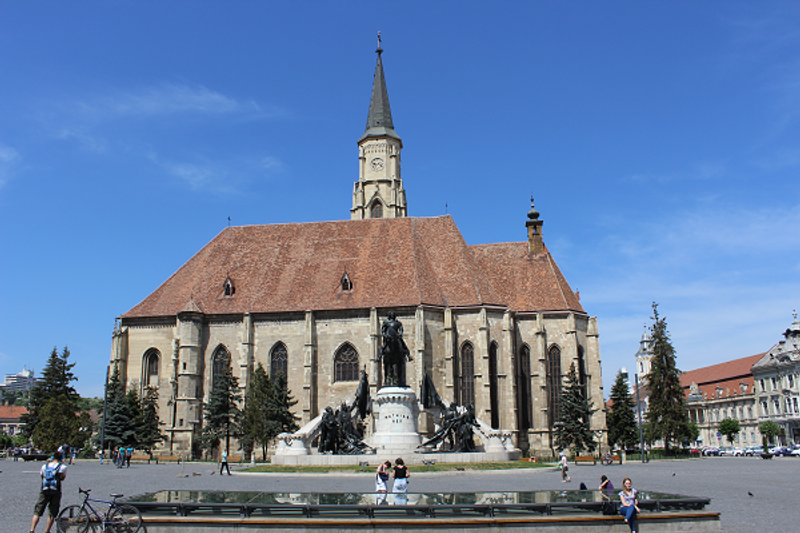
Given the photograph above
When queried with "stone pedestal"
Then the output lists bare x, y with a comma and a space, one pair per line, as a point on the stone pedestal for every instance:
396, 431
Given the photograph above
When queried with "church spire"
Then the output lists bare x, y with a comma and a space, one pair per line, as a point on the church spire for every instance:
379, 192
379, 117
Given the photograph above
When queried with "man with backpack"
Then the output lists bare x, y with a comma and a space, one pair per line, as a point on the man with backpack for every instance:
53, 473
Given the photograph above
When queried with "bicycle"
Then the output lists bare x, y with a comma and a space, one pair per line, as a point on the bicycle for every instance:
120, 517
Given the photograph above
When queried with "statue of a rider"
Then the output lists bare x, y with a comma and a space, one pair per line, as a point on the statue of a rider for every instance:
394, 352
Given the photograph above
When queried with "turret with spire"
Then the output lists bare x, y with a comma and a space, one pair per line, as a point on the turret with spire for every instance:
379, 192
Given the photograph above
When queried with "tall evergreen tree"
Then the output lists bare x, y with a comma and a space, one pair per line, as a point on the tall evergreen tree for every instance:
120, 429
222, 413
257, 426
573, 431
282, 411
55, 383
667, 416
620, 419
58, 424
148, 424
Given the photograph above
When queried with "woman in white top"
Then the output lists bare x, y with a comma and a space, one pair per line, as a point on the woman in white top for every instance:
629, 507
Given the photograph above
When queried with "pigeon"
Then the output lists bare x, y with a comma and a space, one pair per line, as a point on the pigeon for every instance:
750, 494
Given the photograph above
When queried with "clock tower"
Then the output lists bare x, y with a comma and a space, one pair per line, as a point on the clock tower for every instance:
379, 192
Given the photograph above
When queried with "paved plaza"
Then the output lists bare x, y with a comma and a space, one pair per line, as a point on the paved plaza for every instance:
726, 480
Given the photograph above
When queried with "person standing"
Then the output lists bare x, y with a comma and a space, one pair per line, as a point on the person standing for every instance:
53, 473
224, 463
564, 468
401, 475
381, 479
629, 507
128, 455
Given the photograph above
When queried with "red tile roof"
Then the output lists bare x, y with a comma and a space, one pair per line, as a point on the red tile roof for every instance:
12, 412
395, 262
727, 376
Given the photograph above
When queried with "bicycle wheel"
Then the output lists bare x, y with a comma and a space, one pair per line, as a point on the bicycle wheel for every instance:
124, 519
72, 519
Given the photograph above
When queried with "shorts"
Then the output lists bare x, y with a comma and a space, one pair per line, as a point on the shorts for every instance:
50, 500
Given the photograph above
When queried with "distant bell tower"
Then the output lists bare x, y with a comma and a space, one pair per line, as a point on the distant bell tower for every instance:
644, 356
379, 192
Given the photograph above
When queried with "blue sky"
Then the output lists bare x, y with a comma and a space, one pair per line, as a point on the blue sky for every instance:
661, 142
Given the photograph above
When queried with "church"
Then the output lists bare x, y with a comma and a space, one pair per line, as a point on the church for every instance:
493, 325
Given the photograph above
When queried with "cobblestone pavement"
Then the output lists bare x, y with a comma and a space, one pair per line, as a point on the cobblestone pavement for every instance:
726, 480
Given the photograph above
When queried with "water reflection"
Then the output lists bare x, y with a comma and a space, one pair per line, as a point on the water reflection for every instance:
326, 498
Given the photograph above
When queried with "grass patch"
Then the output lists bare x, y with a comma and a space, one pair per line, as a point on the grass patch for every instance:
438, 467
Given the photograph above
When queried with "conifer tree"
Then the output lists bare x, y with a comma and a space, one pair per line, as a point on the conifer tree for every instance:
55, 383
148, 424
667, 416
282, 411
573, 431
222, 413
257, 426
620, 419
120, 425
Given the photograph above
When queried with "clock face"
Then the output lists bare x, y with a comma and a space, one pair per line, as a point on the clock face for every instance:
377, 164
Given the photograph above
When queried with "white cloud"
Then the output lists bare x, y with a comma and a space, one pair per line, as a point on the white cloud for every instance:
9, 157
222, 176
169, 99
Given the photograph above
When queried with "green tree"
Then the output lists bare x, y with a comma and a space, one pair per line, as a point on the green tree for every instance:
257, 426
222, 413
620, 419
58, 425
572, 430
148, 424
120, 425
87, 404
667, 417
694, 432
282, 411
730, 428
769, 430
55, 383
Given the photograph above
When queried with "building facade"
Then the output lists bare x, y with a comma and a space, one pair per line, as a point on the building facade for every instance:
717, 392
777, 377
494, 325
20, 382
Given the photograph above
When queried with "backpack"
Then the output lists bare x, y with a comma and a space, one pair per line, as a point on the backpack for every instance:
51, 482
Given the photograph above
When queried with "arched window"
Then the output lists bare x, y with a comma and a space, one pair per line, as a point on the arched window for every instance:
467, 374
553, 383
376, 209
524, 388
220, 361
347, 285
493, 398
279, 362
345, 363
151, 361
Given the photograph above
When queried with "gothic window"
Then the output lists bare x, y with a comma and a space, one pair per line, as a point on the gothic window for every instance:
219, 362
151, 360
345, 363
553, 383
467, 374
376, 209
278, 362
493, 399
525, 388
347, 285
